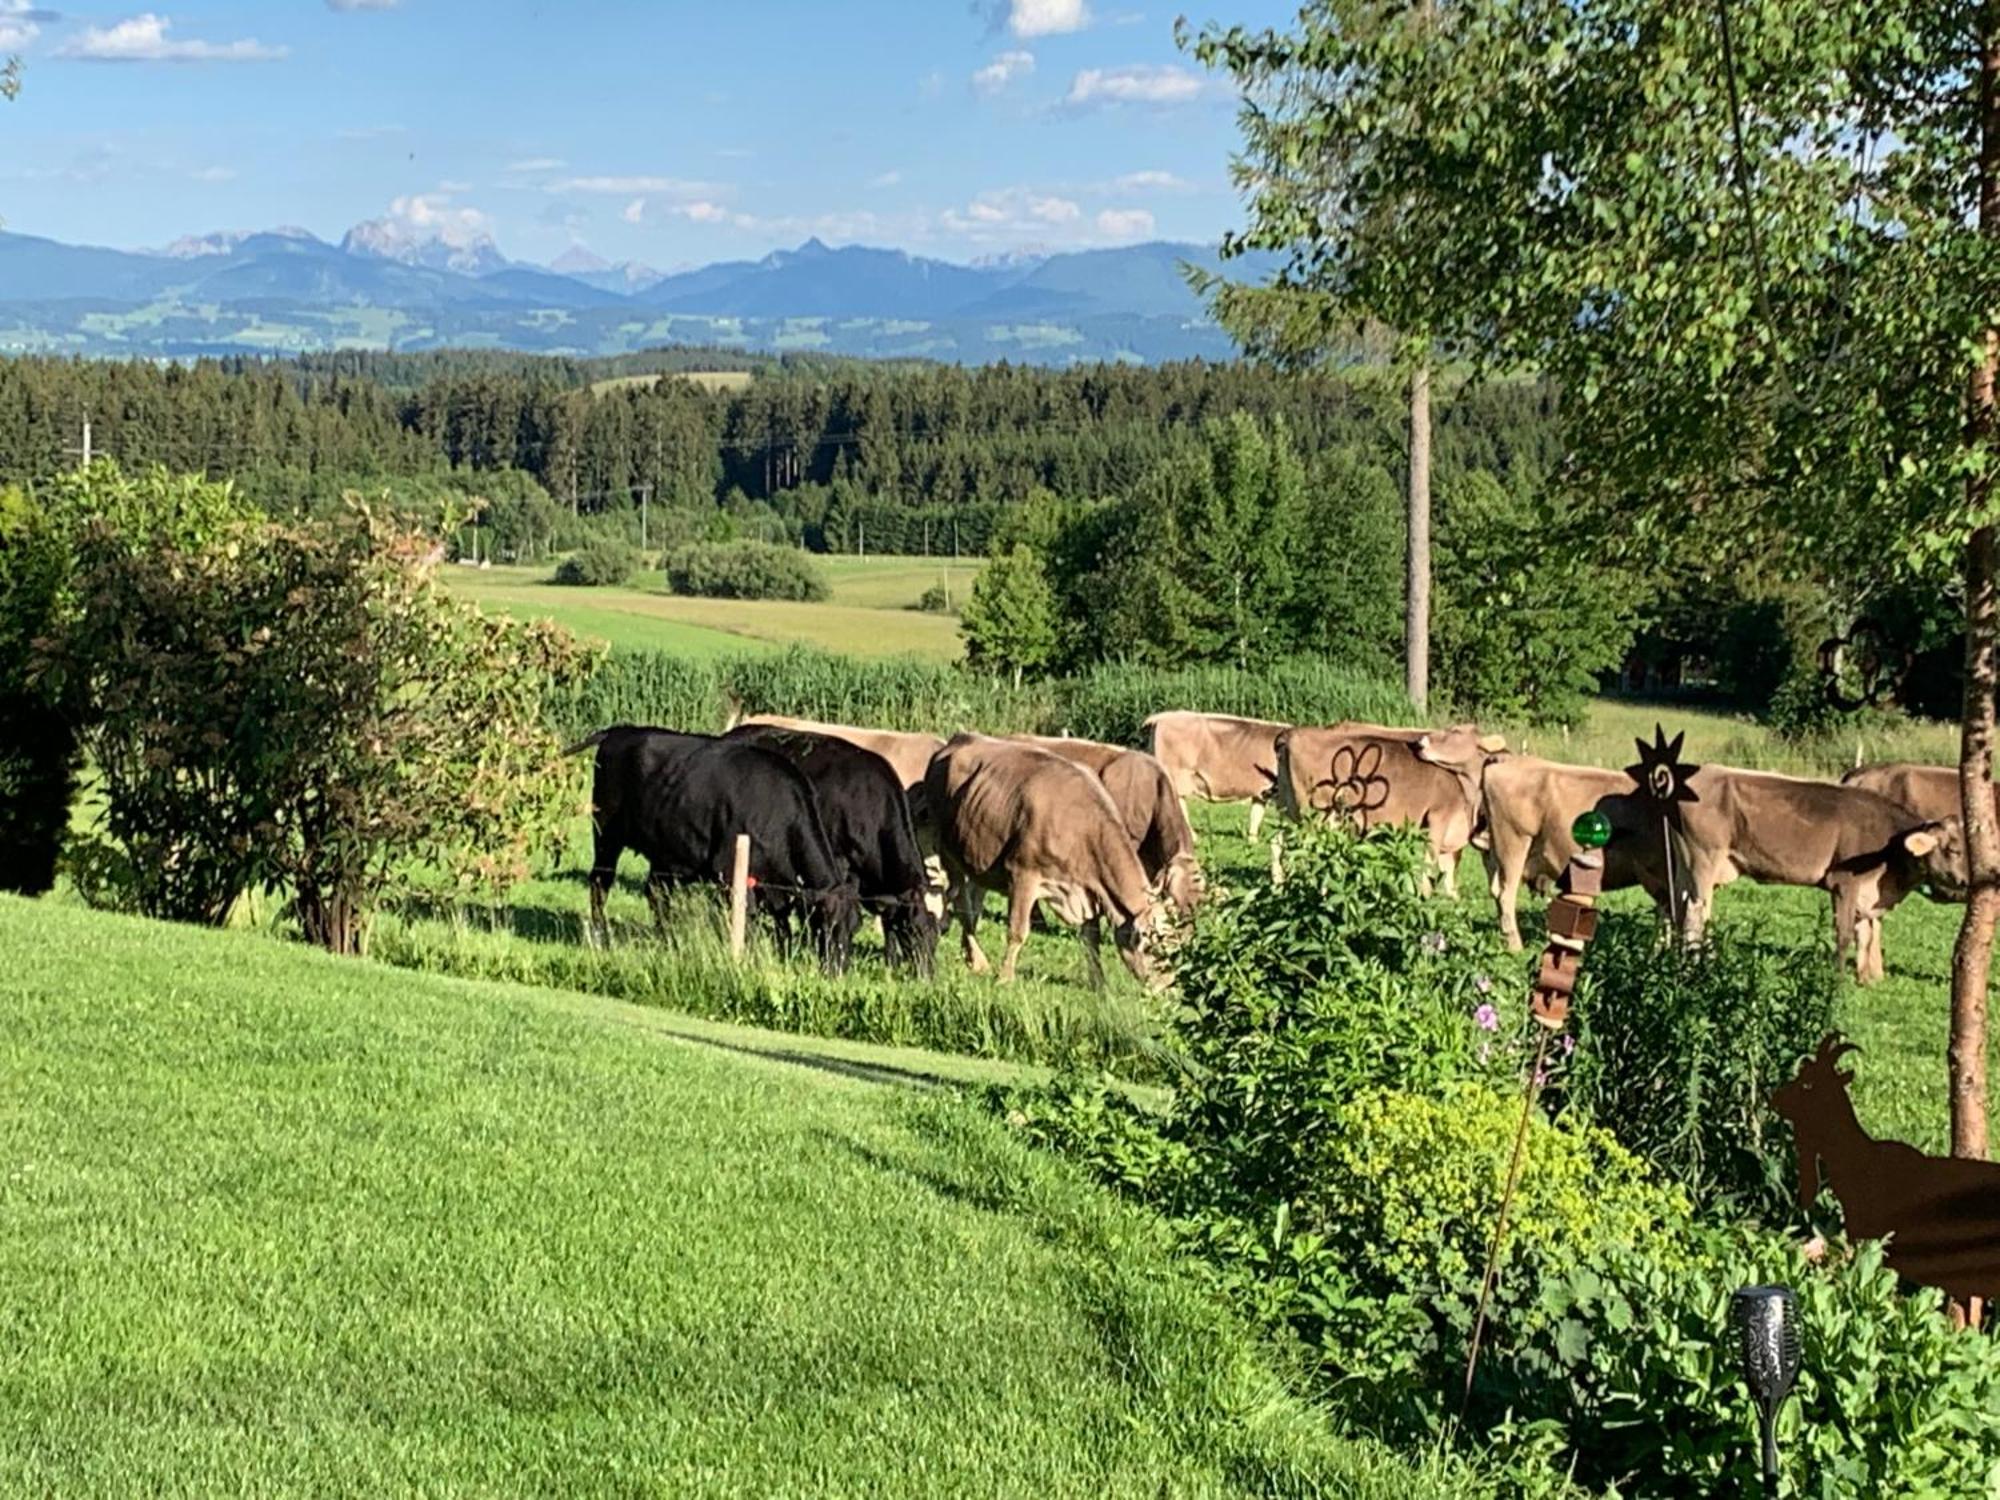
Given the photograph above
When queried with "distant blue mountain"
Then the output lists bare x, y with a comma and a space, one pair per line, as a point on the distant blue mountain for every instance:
289, 290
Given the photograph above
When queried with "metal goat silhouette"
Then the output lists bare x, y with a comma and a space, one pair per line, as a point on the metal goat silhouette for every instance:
1941, 1214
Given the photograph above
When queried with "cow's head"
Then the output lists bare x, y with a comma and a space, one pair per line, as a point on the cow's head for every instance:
1934, 854
1134, 940
910, 933
1183, 884
1461, 748
833, 915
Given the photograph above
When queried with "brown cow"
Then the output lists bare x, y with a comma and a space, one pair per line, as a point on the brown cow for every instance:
1218, 757
1146, 800
910, 754
1865, 851
1372, 774
1529, 805
1931, 792
1015, 818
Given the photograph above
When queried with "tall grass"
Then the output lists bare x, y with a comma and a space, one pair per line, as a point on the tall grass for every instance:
688, 969
1113, 703
1110, 703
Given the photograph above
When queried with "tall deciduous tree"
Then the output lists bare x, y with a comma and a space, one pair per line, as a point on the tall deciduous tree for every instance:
1756, 241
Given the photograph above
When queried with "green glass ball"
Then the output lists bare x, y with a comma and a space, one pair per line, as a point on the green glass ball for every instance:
1592, 830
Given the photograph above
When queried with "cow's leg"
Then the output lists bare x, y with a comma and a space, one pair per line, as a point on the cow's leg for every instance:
1257, 805
1506, 869
603, 874
659, 896
1448, 873
969, 898
1092, 934
1847, 928
1020, 915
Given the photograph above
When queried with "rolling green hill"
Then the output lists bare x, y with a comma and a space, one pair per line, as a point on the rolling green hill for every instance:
278, 1223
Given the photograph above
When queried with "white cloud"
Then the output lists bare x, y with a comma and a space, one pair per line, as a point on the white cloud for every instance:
635, 211
144, 38
1149, 182
537, 164
703, 212
1005, 212
21, 23
1125, 223
371, 132
1003, 70
624, 187
346, 6
1138, 83
213, 174
885, 179
1025, 18
432, 215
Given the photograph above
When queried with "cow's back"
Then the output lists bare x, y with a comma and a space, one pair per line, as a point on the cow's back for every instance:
861, 803
1005, 809
1931, 792
1786, 829
1221, 757
909, 753
1529, 805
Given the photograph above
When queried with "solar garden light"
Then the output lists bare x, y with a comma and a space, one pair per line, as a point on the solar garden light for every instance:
1766, 1323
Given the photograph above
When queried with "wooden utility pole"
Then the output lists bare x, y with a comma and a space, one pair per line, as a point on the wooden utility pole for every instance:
1417, 590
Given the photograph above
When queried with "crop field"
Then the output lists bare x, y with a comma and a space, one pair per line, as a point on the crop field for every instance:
312, 1226
872, 612
708, 380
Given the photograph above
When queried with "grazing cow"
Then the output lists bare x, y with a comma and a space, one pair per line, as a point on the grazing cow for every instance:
867, 818
1145, 798
1931, 792
1015, 818
1528, 807
909, 754
1865, 851
1218, 757
1940, 1214
681, 800
1372, 775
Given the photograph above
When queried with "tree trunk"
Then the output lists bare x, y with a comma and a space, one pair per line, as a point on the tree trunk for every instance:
1417, 596
1972, 958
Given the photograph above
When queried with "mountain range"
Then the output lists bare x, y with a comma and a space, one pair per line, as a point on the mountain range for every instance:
286, 290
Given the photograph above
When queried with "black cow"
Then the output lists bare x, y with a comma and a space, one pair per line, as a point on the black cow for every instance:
868, 820
681, 799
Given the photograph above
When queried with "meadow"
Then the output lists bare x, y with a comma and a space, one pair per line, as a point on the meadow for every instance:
872, 612
312, 1226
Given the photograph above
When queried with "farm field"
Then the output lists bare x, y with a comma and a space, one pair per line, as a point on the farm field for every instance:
316, 1226
872, 612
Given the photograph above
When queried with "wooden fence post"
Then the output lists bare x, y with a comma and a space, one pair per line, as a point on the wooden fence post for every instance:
739, 897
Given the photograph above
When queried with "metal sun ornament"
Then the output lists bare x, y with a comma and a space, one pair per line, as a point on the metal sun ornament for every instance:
1665, 781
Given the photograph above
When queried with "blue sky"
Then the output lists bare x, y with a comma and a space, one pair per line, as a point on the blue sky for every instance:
669, 132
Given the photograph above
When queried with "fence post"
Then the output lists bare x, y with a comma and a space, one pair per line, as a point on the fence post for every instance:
739, 897
1277, 859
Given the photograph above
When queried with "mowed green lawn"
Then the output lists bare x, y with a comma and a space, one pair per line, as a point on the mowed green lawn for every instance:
872, 611
278, 1223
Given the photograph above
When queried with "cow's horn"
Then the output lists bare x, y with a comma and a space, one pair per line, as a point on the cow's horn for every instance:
1493, 744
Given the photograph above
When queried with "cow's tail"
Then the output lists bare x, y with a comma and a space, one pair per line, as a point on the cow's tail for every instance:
588, 742
733, 706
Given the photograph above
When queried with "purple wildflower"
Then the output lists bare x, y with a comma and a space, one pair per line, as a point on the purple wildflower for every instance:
1482, 983
1487, 1017
1568, 1044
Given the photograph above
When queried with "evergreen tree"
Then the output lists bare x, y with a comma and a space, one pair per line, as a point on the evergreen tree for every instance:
1009, 622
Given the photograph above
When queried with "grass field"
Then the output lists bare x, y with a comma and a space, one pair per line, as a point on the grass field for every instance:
708, 380
872, 611
278, 1223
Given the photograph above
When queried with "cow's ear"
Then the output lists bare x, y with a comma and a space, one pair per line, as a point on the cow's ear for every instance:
1493, 744
1423, 745
1920, 841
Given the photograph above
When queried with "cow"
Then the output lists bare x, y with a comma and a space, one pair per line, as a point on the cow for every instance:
1218, 757
909, 754
1014, 818
1528, 806
1371, 774
867, 818
680, 800
1864, 850
1146, 800
1931, 792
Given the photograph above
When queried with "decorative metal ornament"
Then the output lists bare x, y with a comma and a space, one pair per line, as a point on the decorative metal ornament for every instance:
1878, 667
1662, 775
1767, 1328
1354, 786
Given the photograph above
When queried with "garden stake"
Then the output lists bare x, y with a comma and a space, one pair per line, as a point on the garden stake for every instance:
1572, 923
1663, 778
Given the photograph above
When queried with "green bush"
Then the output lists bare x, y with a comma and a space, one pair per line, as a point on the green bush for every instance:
37, 737
935, 600
744, 570
599, 563
1680, 1046
1629, 1380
